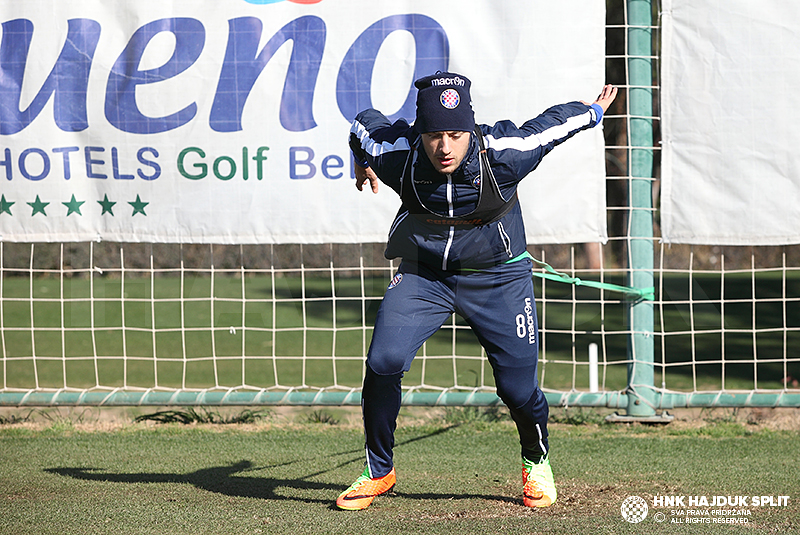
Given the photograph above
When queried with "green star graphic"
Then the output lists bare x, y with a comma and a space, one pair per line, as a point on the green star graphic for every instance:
38, 207
138, 206
107, 205
73, 206
5, 206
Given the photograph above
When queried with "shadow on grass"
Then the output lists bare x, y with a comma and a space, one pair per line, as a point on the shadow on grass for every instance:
226, 480
219, 479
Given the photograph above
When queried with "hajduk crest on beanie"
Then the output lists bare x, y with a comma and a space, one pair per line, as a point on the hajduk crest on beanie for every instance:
444, 104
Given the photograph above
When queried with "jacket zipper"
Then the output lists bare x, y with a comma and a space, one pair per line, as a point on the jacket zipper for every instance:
452, 228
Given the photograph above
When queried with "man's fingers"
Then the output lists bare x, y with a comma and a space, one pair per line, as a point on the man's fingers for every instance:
373, 181
364, 174
606, 97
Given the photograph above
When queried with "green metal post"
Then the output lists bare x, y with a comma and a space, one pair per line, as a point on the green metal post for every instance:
641, 394
159, 398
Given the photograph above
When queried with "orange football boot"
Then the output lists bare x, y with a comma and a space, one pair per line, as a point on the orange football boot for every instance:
361, 493
538, 485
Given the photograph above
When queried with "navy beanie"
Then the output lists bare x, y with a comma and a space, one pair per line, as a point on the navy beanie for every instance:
443, 104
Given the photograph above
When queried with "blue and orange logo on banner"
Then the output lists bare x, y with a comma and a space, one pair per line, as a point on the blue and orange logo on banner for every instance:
261, 2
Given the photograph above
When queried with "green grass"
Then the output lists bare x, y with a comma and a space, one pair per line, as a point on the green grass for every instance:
245, 355
454, 476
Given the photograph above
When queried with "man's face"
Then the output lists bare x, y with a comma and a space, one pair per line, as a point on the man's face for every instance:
446, 150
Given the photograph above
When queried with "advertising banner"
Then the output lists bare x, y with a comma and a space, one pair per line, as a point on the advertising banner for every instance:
202, 121
731, 175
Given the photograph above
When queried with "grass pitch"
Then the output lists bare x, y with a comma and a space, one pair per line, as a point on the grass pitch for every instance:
458, 472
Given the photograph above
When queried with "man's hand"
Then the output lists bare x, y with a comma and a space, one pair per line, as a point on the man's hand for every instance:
362, 175
606, 97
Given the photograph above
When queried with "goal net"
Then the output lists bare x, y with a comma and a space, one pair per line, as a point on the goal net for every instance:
106, 324
154, 249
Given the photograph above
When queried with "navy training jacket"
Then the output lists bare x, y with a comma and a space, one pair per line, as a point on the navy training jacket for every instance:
513, 152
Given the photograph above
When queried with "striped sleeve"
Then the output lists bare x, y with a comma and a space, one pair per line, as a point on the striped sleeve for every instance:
524, 148
381, 145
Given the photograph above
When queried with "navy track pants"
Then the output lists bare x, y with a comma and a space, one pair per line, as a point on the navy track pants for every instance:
498, 304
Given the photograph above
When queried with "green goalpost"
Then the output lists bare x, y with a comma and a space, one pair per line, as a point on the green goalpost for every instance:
641, 398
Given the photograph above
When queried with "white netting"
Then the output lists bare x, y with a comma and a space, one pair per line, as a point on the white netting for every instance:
263, 319
153, 323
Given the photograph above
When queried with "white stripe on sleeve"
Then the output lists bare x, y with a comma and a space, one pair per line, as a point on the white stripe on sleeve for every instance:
372, 147
542, 138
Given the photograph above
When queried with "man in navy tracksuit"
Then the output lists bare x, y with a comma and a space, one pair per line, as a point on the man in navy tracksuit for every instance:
460, 234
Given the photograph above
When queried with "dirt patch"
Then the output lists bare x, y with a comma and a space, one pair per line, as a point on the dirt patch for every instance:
580, 498
106, 419
775, 419
576, 499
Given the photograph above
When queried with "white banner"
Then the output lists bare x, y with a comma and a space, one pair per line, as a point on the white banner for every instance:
211, 121
731, 174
